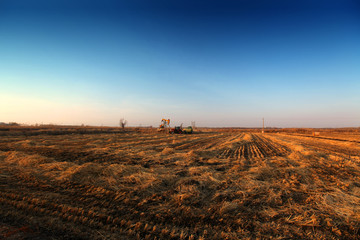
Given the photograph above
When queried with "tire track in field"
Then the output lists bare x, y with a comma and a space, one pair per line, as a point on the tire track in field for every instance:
75, 155
91, 207
269, 147
218, 145
325, 147
231, 138
257, 147
145, 143
195, 143
208, 143
332, 138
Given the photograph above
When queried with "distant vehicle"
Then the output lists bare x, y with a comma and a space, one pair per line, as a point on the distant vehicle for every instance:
164, 126
177, 130
181, 130
187, 130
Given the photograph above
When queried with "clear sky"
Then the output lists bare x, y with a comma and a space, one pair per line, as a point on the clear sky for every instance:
219, 63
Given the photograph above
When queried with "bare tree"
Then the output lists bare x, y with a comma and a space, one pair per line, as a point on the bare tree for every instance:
122, 122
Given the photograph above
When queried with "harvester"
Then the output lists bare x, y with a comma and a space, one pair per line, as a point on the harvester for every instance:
164, 126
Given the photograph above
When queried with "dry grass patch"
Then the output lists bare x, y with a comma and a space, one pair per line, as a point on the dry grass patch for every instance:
213, 186
167, 151
25, 160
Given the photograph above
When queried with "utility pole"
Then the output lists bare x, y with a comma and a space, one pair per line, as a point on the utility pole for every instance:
263, 125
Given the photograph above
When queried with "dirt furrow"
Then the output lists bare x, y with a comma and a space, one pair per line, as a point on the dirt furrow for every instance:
196, 143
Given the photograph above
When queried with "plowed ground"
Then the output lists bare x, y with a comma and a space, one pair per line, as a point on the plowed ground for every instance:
214, 185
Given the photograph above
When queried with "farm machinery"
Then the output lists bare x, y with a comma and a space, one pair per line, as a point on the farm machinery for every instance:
187, 130
177, 130
165, 127
181, 130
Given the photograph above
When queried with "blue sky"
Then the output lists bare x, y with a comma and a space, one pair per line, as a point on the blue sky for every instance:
219, 63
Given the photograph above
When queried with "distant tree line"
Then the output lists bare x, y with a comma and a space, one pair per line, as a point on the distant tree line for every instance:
9, 124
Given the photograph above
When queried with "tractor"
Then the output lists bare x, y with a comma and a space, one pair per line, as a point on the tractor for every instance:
177, 130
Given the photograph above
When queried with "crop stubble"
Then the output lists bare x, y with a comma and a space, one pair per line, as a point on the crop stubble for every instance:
214, 185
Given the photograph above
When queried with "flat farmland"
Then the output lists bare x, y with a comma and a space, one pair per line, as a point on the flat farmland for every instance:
133, 184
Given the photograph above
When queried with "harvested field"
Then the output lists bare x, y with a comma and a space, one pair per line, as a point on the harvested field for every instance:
111, 184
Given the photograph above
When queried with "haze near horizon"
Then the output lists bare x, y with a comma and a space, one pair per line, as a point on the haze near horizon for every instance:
221, 64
